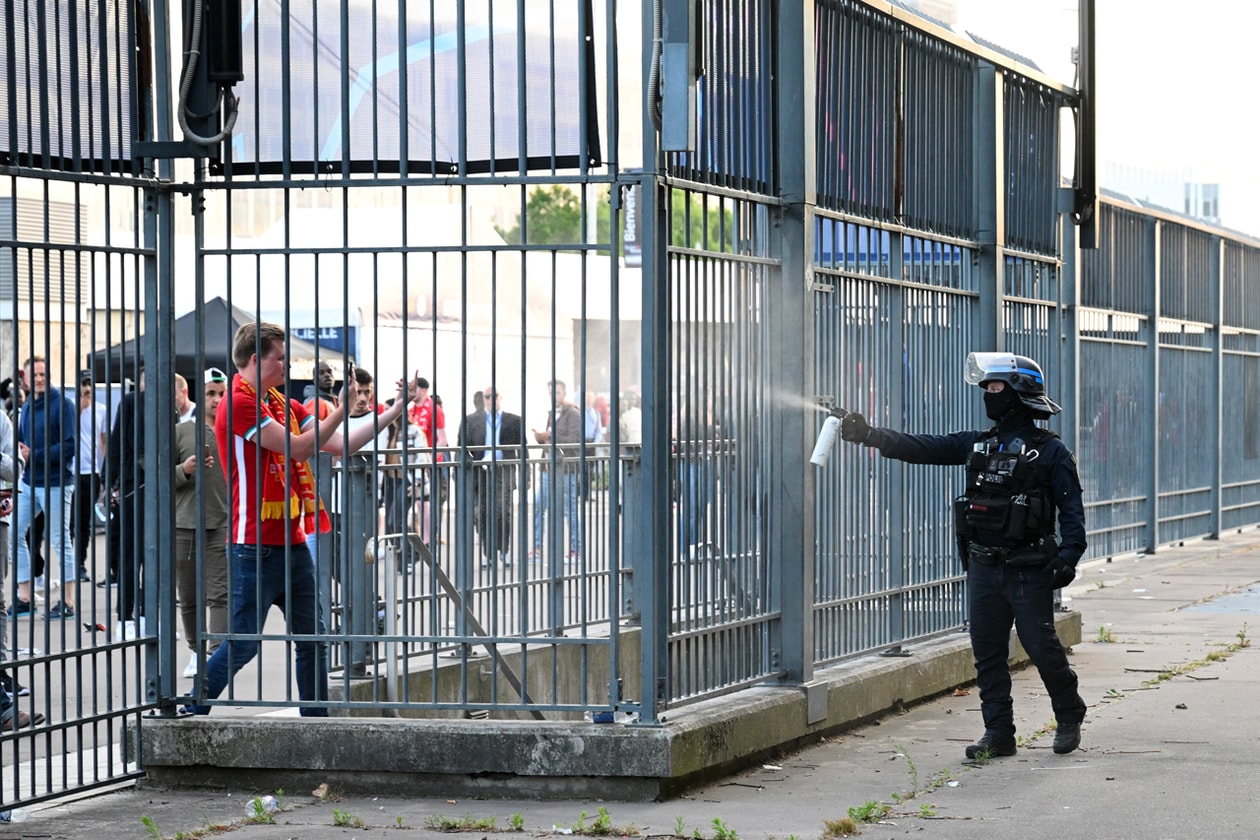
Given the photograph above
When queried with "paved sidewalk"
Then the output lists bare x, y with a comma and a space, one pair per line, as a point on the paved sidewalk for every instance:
1161, 758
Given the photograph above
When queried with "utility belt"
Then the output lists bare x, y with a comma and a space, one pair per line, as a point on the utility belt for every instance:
1037, 554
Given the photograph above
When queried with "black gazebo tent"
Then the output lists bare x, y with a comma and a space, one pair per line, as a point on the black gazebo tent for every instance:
219, 322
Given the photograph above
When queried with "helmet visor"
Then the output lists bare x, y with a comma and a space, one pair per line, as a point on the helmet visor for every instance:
983, 366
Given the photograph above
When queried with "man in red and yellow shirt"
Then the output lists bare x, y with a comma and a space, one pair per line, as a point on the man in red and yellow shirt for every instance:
266, 440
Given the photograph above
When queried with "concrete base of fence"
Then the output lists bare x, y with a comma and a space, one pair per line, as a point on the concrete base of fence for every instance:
552, 759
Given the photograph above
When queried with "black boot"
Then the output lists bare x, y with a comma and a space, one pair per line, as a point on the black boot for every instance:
1067, 738
992, 745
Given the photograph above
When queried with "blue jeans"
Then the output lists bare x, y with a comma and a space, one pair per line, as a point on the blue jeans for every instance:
570, 509
1002, 595
258, 583
698, 487
55, 504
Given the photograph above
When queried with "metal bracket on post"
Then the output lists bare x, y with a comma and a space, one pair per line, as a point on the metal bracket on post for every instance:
171, 149
629, 538
680, 36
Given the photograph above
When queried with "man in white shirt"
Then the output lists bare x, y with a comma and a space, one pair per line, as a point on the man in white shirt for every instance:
90, 461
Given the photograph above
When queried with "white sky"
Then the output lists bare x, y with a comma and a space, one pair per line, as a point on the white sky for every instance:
1175, 83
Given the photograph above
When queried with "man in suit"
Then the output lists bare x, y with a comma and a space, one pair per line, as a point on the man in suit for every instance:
124, 472
495, 438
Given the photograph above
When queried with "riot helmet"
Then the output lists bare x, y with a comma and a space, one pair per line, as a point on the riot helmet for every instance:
1020, 373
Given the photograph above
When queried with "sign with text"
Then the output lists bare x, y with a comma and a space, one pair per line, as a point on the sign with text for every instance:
337, 338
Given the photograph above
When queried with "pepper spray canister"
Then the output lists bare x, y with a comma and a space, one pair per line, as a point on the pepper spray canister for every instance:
827, 438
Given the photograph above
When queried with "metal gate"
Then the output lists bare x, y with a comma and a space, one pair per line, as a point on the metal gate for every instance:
476, 195
78, 265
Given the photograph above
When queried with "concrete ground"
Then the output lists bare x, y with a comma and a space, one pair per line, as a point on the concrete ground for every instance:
1169, 747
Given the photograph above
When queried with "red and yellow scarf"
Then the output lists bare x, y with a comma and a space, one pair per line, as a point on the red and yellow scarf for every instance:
304, 500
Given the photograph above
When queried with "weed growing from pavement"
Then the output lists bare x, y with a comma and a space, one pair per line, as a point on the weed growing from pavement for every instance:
517, 822
843, 827
602, 825
1104, 635
914, 776
938, 779
345, 819
1212, 656
208, 830
258, 812
1025, 740
440, 822
927, 810
871, 812
720, 830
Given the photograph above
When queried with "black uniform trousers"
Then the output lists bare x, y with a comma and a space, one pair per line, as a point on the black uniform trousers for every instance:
1001, 596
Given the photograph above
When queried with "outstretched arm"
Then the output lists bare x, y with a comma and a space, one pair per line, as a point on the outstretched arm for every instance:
915, 449
357, 438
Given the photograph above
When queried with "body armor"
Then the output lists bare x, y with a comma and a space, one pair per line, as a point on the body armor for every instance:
1006, 514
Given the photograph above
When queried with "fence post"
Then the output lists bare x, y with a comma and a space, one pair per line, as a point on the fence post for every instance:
1216, 293
358, 598
1150, 470
789, 480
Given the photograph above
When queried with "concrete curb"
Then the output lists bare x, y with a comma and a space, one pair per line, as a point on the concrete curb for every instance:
554, 759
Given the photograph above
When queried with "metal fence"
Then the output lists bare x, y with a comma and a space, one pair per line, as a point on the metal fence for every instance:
458, 193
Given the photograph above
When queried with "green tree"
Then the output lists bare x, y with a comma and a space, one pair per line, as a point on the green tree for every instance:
690, 225
554, 217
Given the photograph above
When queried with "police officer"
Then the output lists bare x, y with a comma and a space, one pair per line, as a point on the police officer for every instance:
1019, 476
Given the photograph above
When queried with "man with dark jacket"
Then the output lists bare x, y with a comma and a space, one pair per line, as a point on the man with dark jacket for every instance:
496, 443
125, 473
47, 442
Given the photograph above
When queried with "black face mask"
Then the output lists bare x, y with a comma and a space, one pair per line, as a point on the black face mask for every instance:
1002, 404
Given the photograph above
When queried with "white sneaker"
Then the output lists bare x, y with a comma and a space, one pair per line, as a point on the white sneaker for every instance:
124, 631
191, 670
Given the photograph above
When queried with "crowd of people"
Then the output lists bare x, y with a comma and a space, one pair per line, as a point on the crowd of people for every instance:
248, 513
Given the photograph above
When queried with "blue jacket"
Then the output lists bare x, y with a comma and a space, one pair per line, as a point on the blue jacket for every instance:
49, 426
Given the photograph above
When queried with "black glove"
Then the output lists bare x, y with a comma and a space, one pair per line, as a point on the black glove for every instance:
854, 428
1061, 573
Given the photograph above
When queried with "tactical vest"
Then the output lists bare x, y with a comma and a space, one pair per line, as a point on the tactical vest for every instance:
1008, 501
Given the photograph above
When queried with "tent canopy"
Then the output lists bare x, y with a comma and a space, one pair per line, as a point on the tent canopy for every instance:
219, 323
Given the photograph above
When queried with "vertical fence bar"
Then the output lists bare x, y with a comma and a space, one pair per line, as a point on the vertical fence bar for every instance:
1148, 241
